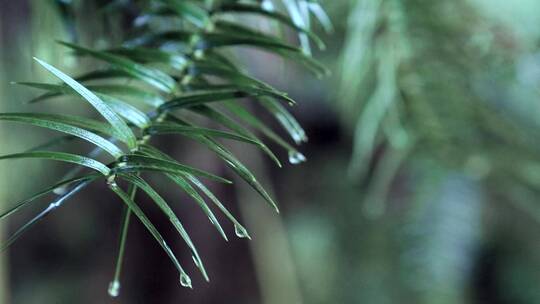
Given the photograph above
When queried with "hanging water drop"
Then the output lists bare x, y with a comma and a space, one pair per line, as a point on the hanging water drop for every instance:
161, 118
268, 5
199, 54
60, 190
111, 181
141, 20
296, 157
299, 137
241, 232
114, 288
185, 281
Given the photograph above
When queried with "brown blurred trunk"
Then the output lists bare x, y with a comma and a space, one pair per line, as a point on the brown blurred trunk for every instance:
276, 273
3, 257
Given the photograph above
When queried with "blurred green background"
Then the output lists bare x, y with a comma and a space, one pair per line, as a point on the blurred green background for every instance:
422, 183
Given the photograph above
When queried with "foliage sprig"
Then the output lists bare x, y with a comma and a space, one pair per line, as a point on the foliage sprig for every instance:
175, 65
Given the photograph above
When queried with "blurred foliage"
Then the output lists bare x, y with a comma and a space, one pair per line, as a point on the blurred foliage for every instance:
442, 96
170, 69
441, 81
436, 105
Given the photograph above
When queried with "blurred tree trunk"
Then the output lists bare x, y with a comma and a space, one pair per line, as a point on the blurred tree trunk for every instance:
270, 247
3, 257
15, 62
441, 237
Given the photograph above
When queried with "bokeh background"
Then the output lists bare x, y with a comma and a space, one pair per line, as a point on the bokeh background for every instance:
422, 183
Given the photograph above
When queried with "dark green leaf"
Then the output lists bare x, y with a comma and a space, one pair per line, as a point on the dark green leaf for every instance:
284, 19
155, 152
259, 125
149, 226
300, 57
56, 88
116, 122
129, 91
63, 157
162, 204
149, 75
52, 206
109, 89
239, 229
180, 181
189, 11
321, 16
231, 76
285, 119
148, 55
172, 128
66, 124
129, 112
216, 56
245, 88
46, 191
153, 39
192, 99
135, 163
223, 119
231, 161
216, 40
103, 74
237, 167
210, 41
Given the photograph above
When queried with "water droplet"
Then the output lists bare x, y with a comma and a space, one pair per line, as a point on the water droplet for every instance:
199, 54
194, 39
161, 118
185, 281
186, 80
210, 27
141, 20
241, 232
296, 157
268, 5
111, 181
60, 191
299, 137
114, 289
